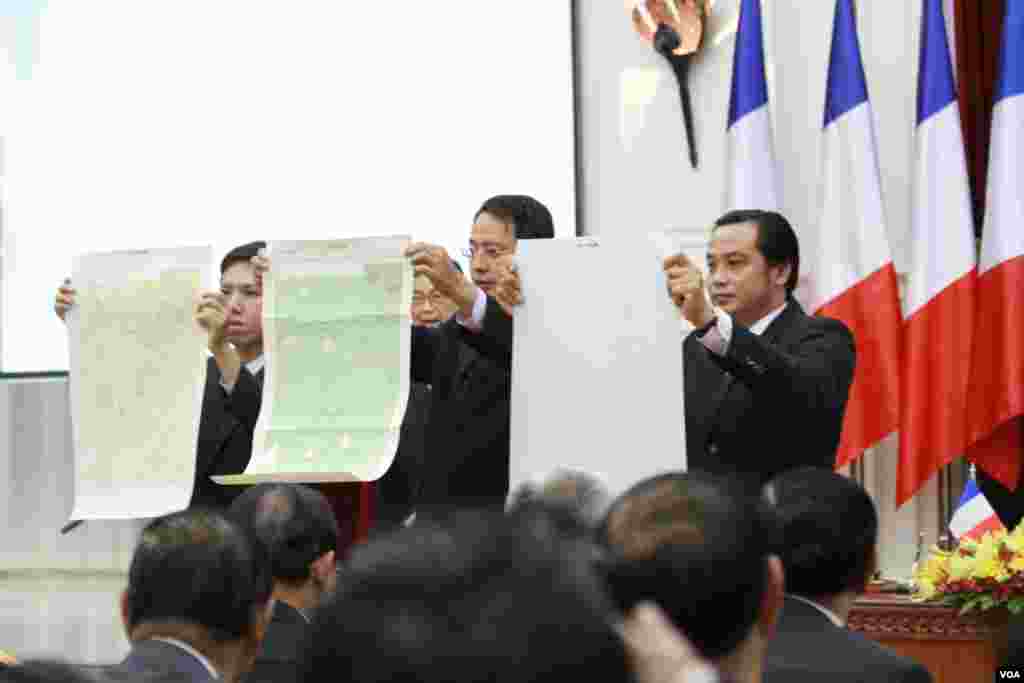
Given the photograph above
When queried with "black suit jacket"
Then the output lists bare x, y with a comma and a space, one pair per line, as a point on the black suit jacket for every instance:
399, 488
792, 382
278, 660
807, 647
153, 661
225, 434
467, 438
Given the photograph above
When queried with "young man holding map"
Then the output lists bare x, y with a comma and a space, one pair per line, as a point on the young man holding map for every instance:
234, 373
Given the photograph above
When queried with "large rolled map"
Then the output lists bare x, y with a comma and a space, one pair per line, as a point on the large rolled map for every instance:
337, 342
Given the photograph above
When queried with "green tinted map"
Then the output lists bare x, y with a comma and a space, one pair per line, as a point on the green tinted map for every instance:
337, 334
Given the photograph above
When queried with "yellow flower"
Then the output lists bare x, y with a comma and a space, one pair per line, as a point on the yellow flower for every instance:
987, 563
961, 566
931, 574
926, 589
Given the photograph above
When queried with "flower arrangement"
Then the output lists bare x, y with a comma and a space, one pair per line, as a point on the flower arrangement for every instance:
977, 575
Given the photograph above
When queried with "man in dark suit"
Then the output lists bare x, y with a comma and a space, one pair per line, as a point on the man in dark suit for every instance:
399, 488
297, 527
234, 374
828, 533
197, 601
756, 362
467, 360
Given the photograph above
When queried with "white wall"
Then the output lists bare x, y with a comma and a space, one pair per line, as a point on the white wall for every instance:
623, 142
636, 177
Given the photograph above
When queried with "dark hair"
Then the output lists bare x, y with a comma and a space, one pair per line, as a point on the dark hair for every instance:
197, 566
697, 546
295, 523
529, 218
484, 598
456, 266
775, 239
828, 529
242, 254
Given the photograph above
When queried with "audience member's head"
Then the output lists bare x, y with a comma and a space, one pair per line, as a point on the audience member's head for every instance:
701, 550
828, 530
297, 527
483, 598
576, 501
199, 578
497, 226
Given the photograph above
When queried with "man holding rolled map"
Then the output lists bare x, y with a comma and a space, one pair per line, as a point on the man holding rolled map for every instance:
234, 375
467, 360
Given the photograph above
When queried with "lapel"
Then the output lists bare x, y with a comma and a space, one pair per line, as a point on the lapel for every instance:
774, 334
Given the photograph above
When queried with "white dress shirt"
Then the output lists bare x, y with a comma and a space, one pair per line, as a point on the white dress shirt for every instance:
832, 616
192, 651
719, 335
253, 366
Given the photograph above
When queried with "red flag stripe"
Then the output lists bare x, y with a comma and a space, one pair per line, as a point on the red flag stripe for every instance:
871, 310
990, 524
997, 374
936, 365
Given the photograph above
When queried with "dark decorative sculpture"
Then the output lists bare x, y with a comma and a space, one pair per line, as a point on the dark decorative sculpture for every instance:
676, 30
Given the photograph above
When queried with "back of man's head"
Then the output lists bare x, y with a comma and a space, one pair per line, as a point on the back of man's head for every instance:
828, 529
529, 217
700, 549
197, 568
486, 599
295, 523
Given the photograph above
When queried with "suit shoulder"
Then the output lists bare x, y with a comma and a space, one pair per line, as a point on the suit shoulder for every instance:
818, 327
829, 324
882, 658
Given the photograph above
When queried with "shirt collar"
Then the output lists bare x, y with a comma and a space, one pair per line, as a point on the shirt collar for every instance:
761, 325
256, 364
192, 651
824, 610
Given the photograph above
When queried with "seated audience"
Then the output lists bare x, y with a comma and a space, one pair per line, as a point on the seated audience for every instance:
480, 599
573, 501
701, 549
297, 527
197, 602
828, 531
48, 671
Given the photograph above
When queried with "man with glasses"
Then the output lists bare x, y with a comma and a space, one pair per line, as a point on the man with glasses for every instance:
466, 360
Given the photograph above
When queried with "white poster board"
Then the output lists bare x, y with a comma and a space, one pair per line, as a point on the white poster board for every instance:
597, 375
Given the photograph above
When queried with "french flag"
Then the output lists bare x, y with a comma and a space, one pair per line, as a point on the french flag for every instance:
751, 181
939, 304
997, 371
974, 516
854, 277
